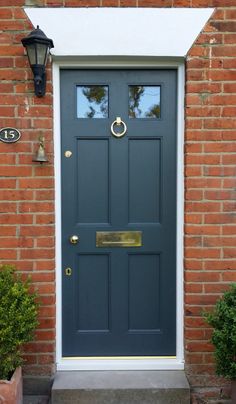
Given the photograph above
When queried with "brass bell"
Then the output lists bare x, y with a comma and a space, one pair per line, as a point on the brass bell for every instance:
40, 156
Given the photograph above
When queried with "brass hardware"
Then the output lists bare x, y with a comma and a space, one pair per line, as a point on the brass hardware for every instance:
68, 153
41, 155
118, 122
74, 239
68, 271
118, 239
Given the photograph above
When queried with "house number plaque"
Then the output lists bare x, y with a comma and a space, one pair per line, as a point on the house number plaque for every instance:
9, 135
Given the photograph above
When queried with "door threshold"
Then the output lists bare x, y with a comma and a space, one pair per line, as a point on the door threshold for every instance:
121, 363
115, 357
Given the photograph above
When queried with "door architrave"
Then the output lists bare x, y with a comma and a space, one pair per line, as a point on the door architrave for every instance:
125, 363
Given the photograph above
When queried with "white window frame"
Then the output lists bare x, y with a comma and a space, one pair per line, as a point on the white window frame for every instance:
145, 363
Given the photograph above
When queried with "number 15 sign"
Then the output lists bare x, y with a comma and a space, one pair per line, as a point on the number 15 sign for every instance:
9, 135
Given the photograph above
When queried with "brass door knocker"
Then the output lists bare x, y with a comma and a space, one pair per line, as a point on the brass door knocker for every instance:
118, 122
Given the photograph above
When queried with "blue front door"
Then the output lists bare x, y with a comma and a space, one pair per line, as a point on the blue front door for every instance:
119, 295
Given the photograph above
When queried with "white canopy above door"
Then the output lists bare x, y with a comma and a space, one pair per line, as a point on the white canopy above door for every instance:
159, 32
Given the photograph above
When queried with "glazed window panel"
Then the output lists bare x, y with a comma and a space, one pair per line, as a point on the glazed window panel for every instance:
92, 101
144, 101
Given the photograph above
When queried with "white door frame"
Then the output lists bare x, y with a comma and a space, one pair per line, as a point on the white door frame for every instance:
146, 363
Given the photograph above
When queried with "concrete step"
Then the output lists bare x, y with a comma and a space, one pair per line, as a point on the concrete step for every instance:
120, 387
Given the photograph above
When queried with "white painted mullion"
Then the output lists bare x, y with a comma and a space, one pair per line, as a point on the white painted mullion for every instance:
57, 170
180, 215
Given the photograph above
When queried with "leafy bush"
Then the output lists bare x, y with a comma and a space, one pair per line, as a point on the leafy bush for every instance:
223, 321
18, 319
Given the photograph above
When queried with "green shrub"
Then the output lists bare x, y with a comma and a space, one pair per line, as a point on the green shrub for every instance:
18, 319
223, 321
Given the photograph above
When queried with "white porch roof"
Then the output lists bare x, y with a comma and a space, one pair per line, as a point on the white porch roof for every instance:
158, 32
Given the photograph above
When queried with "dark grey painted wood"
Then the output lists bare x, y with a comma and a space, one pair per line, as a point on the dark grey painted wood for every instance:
119, 301
92, 299
144, 292
92, 197
144, 180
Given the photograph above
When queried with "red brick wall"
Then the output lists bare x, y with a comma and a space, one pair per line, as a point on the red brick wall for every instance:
27, 189
210, 187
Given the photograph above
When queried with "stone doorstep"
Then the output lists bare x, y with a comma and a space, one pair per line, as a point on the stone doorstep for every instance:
120, 387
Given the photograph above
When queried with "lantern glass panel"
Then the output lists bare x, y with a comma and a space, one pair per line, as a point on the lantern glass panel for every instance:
31, 51
42, 51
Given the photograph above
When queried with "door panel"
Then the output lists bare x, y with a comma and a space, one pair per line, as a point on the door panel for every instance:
144, 293
119, 301
144, 180
93, 297
93, 181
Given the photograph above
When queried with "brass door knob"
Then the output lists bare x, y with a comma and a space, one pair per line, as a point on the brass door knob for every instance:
74, 239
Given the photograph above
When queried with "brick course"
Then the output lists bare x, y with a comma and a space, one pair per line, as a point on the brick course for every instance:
27, 190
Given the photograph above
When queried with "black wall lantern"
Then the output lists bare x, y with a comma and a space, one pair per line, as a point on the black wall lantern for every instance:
38, 46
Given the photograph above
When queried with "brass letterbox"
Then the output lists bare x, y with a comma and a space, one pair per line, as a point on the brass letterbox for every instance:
118, 239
